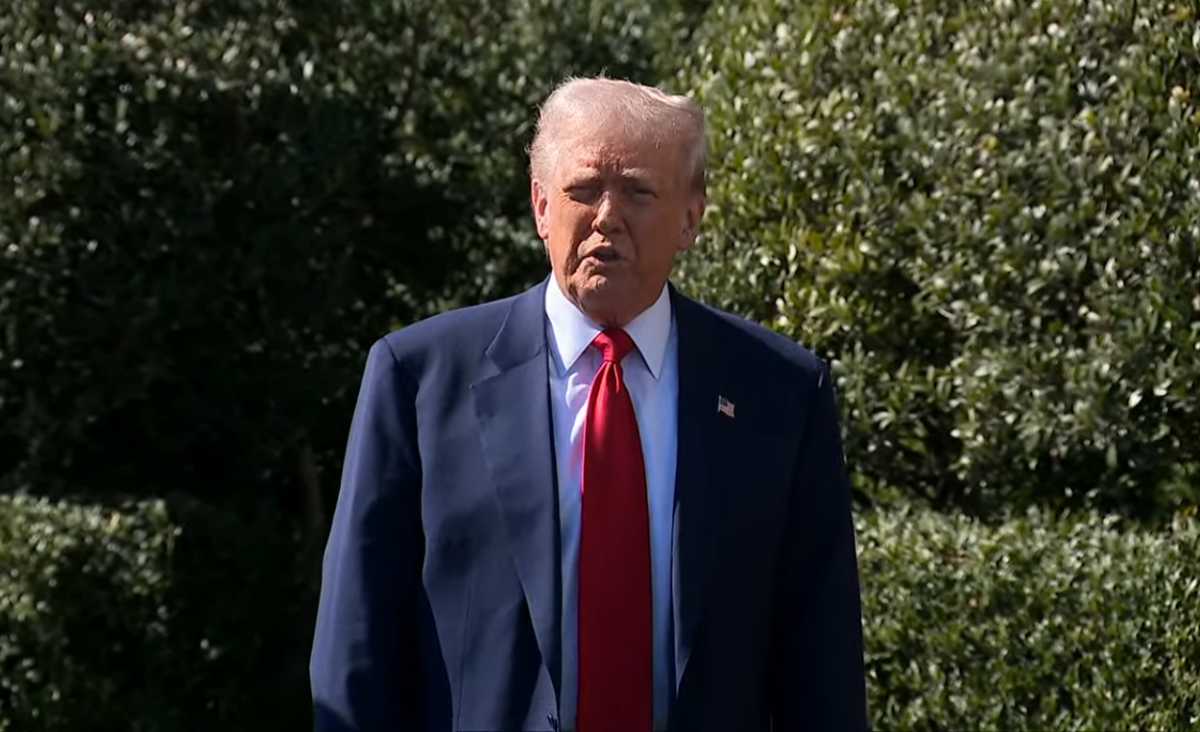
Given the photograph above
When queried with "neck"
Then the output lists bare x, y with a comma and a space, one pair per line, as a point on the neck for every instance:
607, 311
613, 317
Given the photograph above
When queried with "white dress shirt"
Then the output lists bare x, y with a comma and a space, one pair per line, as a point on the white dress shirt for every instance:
651, 375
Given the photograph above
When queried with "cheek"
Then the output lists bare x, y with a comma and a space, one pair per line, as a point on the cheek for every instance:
660, 236
567, 228
577, 223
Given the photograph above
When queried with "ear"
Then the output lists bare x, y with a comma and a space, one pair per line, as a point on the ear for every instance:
691, 223
540, 202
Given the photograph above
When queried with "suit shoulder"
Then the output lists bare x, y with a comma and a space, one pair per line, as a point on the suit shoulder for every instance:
760, 344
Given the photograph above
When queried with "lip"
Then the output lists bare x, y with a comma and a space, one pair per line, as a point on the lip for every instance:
604, 255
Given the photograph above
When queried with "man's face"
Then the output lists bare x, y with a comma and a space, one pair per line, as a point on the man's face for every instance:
613, 213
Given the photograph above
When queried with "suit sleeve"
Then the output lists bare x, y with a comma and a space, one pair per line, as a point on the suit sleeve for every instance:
818, 680
361, 669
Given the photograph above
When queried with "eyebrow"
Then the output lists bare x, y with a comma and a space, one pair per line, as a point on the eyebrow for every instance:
592, 174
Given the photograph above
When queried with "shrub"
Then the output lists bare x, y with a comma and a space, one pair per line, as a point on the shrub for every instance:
173, 616
1031, 625
986, 215
156, 616
217, 206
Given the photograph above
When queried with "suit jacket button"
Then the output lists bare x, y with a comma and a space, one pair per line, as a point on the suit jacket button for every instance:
553, 720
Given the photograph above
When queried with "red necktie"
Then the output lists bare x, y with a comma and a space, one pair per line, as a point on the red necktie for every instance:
616, 636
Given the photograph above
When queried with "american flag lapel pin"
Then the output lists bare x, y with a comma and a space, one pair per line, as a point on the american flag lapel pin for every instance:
724, 406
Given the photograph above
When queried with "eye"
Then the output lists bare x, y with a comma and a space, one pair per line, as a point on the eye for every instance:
583, 192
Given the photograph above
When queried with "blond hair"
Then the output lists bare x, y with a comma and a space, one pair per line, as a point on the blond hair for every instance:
635, 109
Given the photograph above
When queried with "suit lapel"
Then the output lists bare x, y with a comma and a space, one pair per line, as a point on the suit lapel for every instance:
513, 411
699, 375
512, 406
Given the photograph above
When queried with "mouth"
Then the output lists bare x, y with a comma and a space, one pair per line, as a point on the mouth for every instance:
603, 254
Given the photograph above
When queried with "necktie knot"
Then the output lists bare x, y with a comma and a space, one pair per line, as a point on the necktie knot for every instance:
614, 344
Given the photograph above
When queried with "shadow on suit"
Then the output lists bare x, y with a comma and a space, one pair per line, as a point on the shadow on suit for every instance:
440, 603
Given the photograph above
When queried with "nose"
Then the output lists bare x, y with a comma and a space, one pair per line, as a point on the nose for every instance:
608, 215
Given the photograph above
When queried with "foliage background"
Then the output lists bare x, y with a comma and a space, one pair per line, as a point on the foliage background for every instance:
985, 217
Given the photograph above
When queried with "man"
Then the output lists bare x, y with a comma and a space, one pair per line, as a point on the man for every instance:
599, 505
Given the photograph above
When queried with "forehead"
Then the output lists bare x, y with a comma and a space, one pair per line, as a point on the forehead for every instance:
613, 153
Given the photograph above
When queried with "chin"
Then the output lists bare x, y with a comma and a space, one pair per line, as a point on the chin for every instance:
597, 286
604, 300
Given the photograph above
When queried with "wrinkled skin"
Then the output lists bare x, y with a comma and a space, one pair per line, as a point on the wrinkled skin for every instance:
614, 212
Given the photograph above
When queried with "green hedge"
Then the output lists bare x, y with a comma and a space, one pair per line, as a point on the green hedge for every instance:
1030, 625
157, 617
216, 207
988, 216
171, 617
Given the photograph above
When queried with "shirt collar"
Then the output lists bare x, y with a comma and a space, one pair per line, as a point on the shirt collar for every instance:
573, 332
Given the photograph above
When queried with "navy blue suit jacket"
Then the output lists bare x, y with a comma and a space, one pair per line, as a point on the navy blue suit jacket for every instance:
440, 600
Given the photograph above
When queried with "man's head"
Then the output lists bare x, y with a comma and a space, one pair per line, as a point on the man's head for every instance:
617, 187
